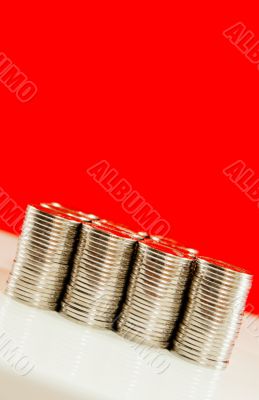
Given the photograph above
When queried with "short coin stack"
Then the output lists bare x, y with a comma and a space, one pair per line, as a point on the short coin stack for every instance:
213, 314
42, 260
98, 276
155, 294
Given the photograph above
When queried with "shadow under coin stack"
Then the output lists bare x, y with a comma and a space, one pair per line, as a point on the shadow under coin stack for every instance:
213, 315
154, 297
42, 260
98, 277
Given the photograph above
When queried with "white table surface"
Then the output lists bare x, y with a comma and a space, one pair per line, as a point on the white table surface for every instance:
75, 362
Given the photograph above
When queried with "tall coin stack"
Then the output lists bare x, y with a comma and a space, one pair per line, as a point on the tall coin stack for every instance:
213, 315
42, 260
98, 277
154, 297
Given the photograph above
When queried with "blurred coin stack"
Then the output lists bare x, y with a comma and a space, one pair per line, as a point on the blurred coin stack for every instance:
98, 277
154, 297
42, 260
213, 315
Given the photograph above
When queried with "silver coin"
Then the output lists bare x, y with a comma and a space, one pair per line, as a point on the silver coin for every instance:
160, 270
100, 270
32, 289
226, 282
50, 214
223, 266
150, 281
70, 309
38, 304
140, 304
41, 266
90, 257
53, 272
89, 298
34, 278
198, 334
202, 318
88, 277
158, 250
132, 336
216, 356
108, 244
151, 294
201, 360
145, 315
107, 311
105, 279
29, 297
165, 266
48, 249
48, 242
164, 307
148, 331
37, 227
223, 293
103, 309
89, 320
39, 253
97, 290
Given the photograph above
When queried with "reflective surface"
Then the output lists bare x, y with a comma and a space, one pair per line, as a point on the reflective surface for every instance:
76, 362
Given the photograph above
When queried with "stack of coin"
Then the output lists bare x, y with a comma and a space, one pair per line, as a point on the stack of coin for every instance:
98, 277
213, 315
154, 297
41, 265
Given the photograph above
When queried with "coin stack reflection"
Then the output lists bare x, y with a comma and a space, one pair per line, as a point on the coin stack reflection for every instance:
213, 315
98, 277
154, 297
42, 260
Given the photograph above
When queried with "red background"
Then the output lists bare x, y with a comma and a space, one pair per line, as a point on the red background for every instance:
158, 92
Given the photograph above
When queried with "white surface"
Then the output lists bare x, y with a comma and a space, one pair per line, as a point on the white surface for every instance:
75, 362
